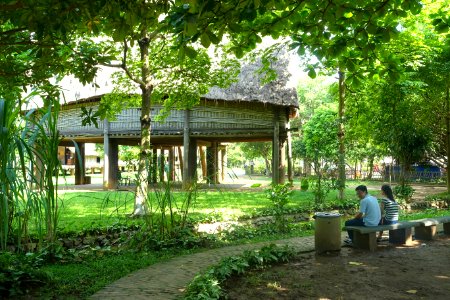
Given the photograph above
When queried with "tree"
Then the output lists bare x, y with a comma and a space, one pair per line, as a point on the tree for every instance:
39, 41
134, 34
258, 150
347, 37
321, 144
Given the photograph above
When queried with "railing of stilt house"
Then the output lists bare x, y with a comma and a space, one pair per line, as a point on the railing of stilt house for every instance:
215, 117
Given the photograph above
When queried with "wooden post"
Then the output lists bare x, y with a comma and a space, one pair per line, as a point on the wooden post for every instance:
282, 161
223, 159
171, 174
212, 157
79, 164
162, 164
180, 158
276, 153
289, 157
113, 164
154, 165
105, 154
203, 161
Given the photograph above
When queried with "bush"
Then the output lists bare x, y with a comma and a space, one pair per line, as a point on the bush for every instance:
304, 184
207, 285
18, 277
404, 192
279, 195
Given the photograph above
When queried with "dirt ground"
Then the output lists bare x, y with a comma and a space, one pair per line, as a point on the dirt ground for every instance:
419, 271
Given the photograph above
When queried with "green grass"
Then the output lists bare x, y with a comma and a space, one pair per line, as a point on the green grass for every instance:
84, 278
427, 213
84, 210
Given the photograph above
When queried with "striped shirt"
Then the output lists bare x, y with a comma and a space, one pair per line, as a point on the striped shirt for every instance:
391, 209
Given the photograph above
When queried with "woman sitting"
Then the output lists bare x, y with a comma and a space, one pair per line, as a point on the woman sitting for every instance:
389, 208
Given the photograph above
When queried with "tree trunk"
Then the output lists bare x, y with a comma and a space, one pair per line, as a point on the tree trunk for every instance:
448, 138
341, 112
371, 159
307, 167
268, 170
144, 156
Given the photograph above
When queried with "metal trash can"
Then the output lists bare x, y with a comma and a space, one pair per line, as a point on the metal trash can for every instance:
327, 234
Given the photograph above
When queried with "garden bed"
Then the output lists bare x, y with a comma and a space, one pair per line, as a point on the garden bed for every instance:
419, 271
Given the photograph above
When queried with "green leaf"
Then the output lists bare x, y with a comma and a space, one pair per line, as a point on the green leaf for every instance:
204, 40
312, 73
348, 15
236, 28
190, 52
442, 28
386, 37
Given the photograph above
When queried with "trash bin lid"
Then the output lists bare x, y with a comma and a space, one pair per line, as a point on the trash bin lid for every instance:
326, 215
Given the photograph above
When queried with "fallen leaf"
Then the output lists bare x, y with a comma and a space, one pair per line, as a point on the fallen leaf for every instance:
411, 291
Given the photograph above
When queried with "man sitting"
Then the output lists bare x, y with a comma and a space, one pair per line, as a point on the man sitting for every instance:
369, 212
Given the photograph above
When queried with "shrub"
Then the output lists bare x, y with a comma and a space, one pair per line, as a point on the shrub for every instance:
279, 196
18, 277
404, 192
304, 184
207, 285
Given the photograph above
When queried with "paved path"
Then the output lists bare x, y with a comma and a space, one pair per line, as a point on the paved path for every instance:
167, 280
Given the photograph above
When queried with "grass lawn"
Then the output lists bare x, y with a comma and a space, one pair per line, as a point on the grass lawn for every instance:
93, 209
83, 210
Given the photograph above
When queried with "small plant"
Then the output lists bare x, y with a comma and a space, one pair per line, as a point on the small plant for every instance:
404, 192
18, 277
207, 285
304, 184
279, 195
321, 187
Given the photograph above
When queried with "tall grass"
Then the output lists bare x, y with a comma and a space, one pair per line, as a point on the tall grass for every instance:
28, 162
167, 215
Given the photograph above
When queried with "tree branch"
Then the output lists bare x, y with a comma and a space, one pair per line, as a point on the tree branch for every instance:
12, 31
124, 65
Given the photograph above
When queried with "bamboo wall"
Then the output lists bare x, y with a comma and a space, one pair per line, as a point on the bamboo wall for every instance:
209, 117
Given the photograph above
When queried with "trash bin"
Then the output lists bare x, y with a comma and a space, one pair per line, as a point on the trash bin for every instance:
327, 235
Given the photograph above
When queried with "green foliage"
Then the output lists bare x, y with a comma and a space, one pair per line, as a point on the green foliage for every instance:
404, 192
321, 187
342, 35
18, 277
320, 136
304, 184
166, 217
25, 140
279, 195
207, 285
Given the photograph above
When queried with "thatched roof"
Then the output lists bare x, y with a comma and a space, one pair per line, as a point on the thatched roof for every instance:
249, 88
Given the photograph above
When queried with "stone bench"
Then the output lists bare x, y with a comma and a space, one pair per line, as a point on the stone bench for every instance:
366, 237
427, 228
400, 233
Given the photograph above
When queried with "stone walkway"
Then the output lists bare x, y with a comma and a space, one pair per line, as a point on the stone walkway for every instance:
167, 280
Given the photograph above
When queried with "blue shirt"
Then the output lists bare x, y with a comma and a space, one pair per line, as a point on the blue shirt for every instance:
371, 211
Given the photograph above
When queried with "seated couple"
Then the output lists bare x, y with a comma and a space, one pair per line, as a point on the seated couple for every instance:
373, 214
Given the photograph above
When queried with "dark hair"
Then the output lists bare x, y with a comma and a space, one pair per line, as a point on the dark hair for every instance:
361, 188
388, 192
